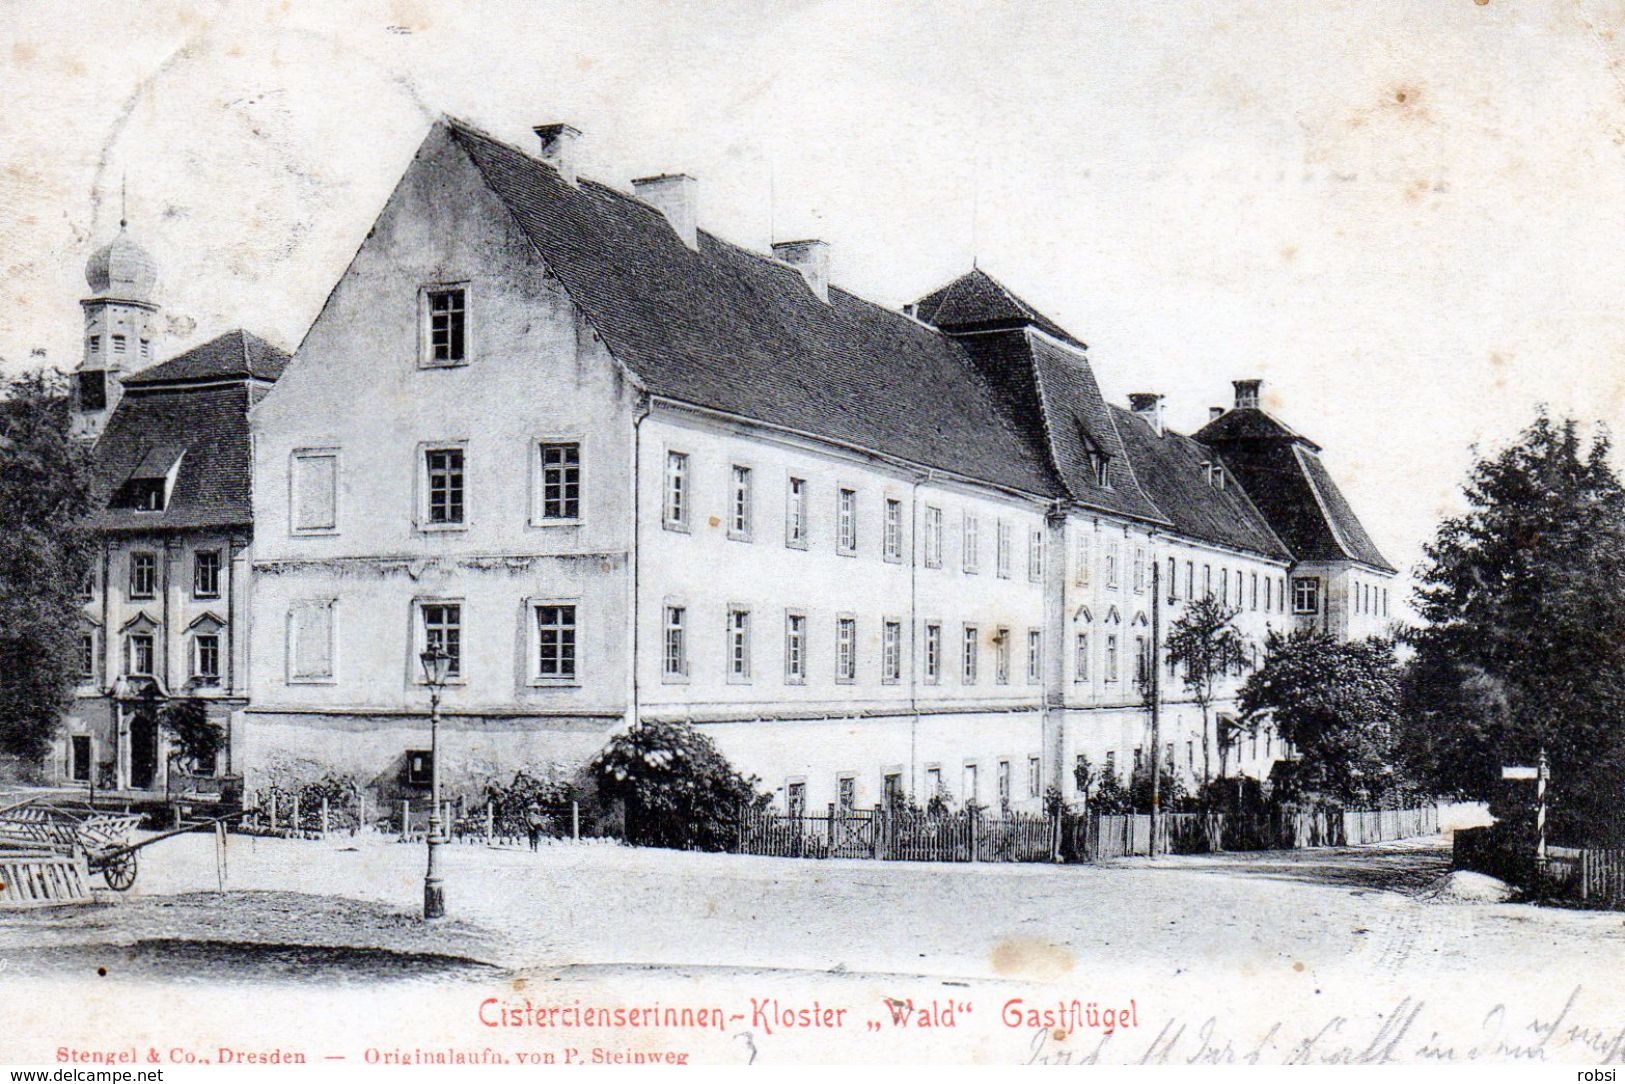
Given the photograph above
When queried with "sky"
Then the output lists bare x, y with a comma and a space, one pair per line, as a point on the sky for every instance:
1407, 218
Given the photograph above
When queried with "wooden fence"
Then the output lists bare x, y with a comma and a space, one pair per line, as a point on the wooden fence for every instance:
977, 836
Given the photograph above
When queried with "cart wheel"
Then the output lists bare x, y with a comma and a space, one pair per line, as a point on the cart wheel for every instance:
119, 871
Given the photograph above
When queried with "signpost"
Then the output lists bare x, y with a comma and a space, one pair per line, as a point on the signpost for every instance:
1539, 774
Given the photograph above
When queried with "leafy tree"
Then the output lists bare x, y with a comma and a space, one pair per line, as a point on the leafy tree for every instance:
197, 738
1338, 703
1524, 644
45, 553
1206, 647
677, 789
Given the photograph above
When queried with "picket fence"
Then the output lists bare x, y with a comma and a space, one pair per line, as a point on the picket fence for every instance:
976, 836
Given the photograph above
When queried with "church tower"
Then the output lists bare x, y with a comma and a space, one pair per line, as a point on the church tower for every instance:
121, 329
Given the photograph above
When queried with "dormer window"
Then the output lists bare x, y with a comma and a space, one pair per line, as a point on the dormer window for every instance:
148, 487
1213, 473
1100, 468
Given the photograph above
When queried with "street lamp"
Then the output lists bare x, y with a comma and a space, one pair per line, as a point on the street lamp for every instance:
436, 666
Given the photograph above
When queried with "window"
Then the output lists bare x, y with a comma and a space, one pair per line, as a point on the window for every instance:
313, 478
206, 658
443, 632
973, 790
146, 349
675, 663
87, 583
1139, 569
1035, 555
443, 486
933, 782
1269, 595
1142, 660
1240, 578
79, 757
206, 574
738, 644
1280, 593
846, 649
87, 656
1035, 777
933, 654
891, 789
1100, 466
1190, 579
1207, 581
1003, 780
310, 641
933, 537
1173, 580
1001, 656
1385, 602
419, 767
1305, 595
846, 521
1109, 769
143, 575
555, 642
1077, 764
1224, 587
138, 656
795, 799
119, 344
1111, 656
95, 344
740, 517
891, 652
677, 499
1080, 657
1001, 555
972, 650
795, 648
1255, 590
971, 544
560, 470
846, 794
1035, 656
795, 514
893, 549
93, 390
448, 326
1112, 550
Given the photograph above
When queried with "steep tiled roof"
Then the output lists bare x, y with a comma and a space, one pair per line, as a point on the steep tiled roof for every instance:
977, 301
1170, 469
727, 329
1285, 478
167, 420
233, 356
207, 428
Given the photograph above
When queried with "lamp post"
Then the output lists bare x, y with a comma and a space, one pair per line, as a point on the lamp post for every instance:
436, 664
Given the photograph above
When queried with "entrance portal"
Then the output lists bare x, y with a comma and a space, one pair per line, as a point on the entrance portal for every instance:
143, 752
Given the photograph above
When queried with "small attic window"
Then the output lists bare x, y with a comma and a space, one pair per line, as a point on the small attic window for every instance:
1100, 466
1213, 473
148, 487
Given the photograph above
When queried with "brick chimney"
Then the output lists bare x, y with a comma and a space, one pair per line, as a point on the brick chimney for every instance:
677, 196
811, 258
560, 146
1247, 393
1148, 405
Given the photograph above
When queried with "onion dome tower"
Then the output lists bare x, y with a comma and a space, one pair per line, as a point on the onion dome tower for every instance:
121, 329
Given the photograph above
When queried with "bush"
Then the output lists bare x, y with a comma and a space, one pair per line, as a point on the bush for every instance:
675, 788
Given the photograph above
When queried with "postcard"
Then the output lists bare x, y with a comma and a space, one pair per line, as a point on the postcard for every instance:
551, 534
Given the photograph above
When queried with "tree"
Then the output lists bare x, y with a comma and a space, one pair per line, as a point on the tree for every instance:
45, 553
1524, 644
1206, 647
198, 739
1338, 704
676, 787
